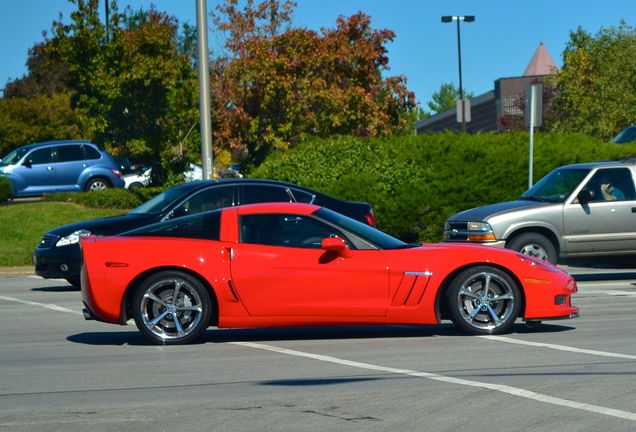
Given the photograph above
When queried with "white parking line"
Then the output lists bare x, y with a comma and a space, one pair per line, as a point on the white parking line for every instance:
560, 347
44, 305
450, 380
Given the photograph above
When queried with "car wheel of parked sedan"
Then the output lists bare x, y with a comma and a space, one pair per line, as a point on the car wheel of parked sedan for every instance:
484, 300
97, 184
535, 245
135, 185
171, 308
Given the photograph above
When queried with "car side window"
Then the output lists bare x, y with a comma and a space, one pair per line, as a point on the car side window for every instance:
302, 196
91, 152
253, 194
286, 230
205, 226
208, 199
69, 153
612, 184
40, 156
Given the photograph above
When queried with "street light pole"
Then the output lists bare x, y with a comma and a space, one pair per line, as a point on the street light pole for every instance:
204, 90
466, 18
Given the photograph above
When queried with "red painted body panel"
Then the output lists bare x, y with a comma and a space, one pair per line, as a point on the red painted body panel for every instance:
257, 285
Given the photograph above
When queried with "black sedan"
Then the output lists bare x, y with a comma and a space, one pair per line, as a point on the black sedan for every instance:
58, 254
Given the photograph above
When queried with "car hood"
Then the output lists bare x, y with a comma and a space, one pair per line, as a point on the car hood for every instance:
483, 213
108, 226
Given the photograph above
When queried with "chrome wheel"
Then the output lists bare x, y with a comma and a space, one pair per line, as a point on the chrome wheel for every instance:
97, 184
484, 300
535, 250
171, 308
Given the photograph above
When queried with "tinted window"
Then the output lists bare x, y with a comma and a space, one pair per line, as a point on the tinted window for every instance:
302, 196
163, 200
13, 157
364, 231
91, 152
69, 153
206, 226
209, 199
285, 230
253, 194
556, 186
612, 184
41, 156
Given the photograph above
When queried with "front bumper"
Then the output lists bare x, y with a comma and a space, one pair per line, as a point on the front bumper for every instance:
58, 262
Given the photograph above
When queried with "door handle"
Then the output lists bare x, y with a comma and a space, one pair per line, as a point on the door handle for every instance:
50, 168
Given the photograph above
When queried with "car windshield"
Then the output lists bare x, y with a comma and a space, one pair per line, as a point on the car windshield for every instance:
13, 157
163, 200
370, 234
557, 185
627, 135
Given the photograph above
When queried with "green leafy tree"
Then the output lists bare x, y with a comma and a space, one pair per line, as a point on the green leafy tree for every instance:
446, 98
595, 88
278, 84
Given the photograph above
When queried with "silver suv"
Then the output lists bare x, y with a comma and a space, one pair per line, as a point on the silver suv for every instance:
579, 210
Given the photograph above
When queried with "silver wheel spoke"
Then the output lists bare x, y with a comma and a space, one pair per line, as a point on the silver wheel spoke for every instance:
487, 284
190, 308
506, 296
474, 313
494, 316
175, 293
159, 318
464, 292
177, 325
154, 298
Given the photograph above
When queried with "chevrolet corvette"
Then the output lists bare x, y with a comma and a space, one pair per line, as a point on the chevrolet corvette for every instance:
292, 264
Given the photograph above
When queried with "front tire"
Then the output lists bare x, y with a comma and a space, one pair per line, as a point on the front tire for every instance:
535, 245
97, 184
171, 308
484, 300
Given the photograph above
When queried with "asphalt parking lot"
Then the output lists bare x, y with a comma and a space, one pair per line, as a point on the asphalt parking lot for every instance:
61, 373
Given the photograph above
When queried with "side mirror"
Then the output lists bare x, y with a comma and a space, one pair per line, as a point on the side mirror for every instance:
337, 246
585, 196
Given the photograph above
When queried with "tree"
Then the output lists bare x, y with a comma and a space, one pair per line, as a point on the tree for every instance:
136, 89
595, 88
446, 98
278, 84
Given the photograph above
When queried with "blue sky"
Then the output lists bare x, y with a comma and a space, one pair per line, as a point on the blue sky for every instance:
498, 44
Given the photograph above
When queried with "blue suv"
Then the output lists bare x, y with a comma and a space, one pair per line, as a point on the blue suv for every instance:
59, 166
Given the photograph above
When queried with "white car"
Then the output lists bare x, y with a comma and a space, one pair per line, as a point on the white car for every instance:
137, 180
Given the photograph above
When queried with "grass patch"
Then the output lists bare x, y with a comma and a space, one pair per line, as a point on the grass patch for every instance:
23, 224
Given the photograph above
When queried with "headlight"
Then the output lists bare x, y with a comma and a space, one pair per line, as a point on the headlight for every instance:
480, 231
72, 238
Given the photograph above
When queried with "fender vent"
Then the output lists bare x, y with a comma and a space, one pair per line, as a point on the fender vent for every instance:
411, 289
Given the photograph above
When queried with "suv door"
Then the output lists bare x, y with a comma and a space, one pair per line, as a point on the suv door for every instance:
37, 170
606, 224
70, 162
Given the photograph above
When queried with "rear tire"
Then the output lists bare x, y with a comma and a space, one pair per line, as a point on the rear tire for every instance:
171, 308
535, 245
97, 184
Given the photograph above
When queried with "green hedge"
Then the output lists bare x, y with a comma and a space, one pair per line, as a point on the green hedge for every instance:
414, 183
5, 189
109, 198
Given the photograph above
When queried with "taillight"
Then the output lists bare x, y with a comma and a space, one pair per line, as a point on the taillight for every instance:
370, 218
117, 173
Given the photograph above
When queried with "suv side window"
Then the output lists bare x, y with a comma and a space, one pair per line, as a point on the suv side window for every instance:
253, 194
285, 230
41, 156
69, 153
91, 153
211, 198
612, 184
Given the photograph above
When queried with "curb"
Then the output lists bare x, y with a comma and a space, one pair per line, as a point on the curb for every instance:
17, 271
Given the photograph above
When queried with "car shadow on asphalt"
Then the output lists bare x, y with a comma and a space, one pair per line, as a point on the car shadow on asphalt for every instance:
304, 333
56, 288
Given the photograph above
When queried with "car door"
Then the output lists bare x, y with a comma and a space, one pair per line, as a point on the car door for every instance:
606, 224
280, 269
37, 171
69, 165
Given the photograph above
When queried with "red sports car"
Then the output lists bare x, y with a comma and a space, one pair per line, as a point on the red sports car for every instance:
288, 264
